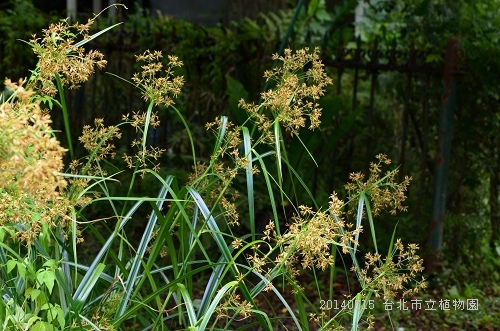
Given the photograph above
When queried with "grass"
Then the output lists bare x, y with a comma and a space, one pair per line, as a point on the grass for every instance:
190, 267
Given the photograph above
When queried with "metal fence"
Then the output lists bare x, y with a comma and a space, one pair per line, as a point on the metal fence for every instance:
423, 117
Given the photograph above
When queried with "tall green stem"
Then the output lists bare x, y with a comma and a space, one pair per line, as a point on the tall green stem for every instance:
64, 109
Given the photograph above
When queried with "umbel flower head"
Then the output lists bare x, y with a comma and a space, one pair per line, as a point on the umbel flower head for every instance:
383, 189
159, 90
60, 56
387, 276
31, 187
295, 94
312, 233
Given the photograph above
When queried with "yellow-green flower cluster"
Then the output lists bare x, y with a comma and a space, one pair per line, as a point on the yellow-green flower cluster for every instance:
299, 82
311, 235
156, 81
385, 277
385, 192
59, 54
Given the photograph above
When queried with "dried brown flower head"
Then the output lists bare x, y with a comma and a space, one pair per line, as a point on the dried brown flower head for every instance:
31, 187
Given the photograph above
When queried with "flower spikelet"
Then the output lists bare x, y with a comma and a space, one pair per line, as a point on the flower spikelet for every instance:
234, 303
229, 146
145, 155
312, 234
215, 179
383, 189
97, 141
386, 277
59, 54
294, 97
157, 81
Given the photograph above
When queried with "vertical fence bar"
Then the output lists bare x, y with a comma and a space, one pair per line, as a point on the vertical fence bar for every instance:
96, 6
404, 133
406, 110
112, 9
443, 154
71, 8
374, 74
340, 71
425, 137
494, 200
357, 64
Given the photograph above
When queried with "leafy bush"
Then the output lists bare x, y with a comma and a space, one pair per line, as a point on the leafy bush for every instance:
17, 24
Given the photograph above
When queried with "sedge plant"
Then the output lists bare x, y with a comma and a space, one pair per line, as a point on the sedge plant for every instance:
153, 280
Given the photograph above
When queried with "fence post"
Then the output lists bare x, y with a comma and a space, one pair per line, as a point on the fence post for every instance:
71, 8
443, 154
374, 76
96, 6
